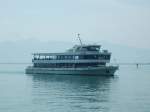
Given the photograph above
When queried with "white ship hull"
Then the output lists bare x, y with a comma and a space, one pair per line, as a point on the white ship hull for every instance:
102, 70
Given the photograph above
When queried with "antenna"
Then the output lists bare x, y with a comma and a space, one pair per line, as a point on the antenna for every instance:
79, 39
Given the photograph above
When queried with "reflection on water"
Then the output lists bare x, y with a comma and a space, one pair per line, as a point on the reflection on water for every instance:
71, 93
129, 92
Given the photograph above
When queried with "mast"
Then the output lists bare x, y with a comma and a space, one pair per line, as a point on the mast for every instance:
80, 39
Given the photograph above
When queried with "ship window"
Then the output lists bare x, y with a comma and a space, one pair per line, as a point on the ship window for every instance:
66, 57
93, 48
61, 57
69, 57
58, 57
76, 57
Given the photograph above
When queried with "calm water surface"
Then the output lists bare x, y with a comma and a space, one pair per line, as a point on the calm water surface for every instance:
127, 91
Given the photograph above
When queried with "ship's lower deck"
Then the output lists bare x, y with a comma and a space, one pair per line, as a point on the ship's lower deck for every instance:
102, 70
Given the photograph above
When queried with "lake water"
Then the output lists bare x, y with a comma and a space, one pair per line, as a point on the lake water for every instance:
127, 91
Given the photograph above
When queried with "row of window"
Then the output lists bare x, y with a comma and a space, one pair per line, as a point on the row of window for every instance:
67, 65
71, 57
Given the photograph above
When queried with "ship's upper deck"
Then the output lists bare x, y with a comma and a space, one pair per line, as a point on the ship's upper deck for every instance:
79, 50
79, 54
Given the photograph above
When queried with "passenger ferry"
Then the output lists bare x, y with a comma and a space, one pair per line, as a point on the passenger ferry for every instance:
79, 60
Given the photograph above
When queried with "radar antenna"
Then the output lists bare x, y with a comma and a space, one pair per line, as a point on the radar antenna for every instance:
80, 39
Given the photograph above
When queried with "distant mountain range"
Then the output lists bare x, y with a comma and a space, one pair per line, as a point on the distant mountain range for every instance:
20, 51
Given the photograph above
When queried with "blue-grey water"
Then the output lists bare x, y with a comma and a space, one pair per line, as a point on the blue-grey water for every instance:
127, 91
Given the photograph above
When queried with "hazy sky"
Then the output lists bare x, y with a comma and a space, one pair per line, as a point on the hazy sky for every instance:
117, 21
